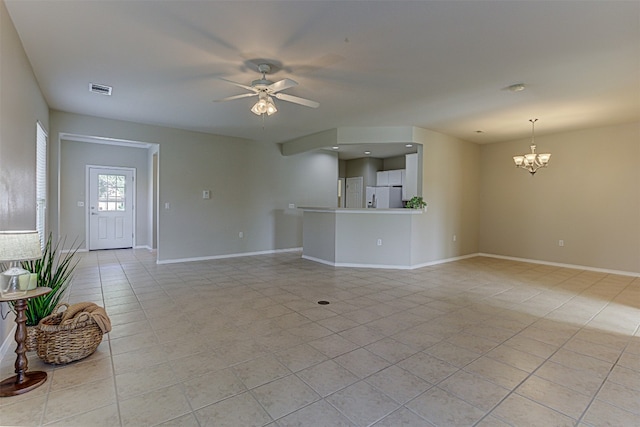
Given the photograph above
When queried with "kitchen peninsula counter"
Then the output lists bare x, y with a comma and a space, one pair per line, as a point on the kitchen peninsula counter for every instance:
374, 238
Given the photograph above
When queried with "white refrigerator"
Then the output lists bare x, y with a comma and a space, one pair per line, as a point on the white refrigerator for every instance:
384, 197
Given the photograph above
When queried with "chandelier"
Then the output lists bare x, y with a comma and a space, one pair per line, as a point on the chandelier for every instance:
532, 161
265, 105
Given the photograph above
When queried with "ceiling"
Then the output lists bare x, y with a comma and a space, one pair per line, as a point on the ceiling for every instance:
440, 65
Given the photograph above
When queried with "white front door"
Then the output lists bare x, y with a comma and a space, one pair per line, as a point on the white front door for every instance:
111, 208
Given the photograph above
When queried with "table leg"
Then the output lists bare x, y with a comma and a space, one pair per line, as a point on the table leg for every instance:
23, 381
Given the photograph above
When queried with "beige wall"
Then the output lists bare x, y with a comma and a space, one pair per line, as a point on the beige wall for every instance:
392, 163
589, 196
451, 187
21, 106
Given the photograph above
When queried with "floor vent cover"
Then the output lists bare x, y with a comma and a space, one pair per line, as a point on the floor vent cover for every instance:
101, 89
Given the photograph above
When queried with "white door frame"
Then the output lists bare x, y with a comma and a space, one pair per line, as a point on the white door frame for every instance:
87, 203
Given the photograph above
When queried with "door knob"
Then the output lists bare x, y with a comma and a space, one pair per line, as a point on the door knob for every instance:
94, 213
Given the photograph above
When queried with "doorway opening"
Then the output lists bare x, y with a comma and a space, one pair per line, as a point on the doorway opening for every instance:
73, 213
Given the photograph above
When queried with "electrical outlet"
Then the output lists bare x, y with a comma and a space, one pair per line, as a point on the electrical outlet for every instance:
379, 242
167, 205
561, 243
292, 206
455, 237
240, 235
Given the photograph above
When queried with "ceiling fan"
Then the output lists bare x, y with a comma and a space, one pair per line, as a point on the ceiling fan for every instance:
264, 89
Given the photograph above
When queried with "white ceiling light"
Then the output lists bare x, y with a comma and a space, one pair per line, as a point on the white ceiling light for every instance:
265, 105
518, 87
532, 161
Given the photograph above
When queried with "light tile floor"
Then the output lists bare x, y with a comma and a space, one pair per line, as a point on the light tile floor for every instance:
243, 342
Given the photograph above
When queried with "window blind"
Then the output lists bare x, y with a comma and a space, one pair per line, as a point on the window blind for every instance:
41, 181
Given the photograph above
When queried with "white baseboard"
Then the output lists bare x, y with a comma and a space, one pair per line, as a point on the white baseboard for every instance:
237, 255
356, 265
386, 266
147, 247
318, 260
558, 264
445, 260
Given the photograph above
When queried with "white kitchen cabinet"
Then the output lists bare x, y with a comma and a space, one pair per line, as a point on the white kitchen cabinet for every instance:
382, 179
392, 178
395, 178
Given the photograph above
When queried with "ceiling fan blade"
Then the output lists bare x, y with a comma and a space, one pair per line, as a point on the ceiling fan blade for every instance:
238, 84
297, 100
281, 85
231, 98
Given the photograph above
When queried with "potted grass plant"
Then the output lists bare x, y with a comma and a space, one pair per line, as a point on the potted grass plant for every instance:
416, 202
54, 270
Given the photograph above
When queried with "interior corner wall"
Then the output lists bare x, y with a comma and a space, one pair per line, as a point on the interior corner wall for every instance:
451, 187
342, 168
588, 196
21, 106
367, 168
274, 184
251, 186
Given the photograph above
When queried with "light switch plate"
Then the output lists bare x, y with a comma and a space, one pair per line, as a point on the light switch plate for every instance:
206, 194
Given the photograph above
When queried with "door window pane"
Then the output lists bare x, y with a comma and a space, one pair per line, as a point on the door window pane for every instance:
111, 189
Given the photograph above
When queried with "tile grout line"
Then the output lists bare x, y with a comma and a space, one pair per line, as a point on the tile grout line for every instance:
178, 382
548, 359
595, 395
113, 368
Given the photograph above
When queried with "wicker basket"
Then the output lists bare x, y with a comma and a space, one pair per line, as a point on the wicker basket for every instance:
72, 340
30, 344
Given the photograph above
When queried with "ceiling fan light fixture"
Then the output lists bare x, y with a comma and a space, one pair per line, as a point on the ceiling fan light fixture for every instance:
259, 108
265, 105
271, 106
265, 89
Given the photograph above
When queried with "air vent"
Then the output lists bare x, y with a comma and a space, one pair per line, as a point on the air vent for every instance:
101, 89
